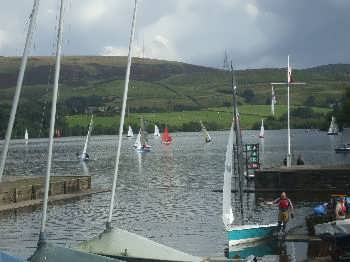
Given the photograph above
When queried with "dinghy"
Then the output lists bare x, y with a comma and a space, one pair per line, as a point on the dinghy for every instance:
141, 144
205, 133
26, 137
156, 131
262, 129
130, 132
333, 127
166, 138
84, 155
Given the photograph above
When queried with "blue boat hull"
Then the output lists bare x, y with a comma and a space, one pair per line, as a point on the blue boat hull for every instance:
247, 234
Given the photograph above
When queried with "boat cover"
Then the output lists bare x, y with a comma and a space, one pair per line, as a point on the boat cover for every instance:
121, 243
6, 258
53, 253
338, 227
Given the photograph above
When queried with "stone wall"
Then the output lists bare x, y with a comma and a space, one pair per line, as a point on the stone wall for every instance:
31, 189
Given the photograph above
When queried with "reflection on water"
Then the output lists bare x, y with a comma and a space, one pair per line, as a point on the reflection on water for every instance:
166, 195
259, 249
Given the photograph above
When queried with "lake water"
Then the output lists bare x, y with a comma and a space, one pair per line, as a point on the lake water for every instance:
165, 195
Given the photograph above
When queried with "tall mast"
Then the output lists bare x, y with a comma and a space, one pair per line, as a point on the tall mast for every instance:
239, 146
289, 155
42, 237
26, 50
125, 95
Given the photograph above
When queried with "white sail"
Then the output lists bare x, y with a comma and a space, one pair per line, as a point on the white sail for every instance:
87, 138
138, 144
333, 127
156, 131
26, 136
130, 132
262, 129
227, 214
205, 133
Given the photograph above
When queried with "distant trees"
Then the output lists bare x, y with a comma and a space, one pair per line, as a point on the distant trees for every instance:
342, 113
248, 95
310, 101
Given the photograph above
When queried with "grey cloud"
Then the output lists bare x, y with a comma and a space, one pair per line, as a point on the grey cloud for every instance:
198, 31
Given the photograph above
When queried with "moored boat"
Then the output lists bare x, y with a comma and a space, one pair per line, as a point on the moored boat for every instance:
239, 233
343, 149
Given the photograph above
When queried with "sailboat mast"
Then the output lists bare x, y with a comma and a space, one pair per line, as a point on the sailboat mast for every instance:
125, 95
239, 145
26, 50
88, 135
42, 237
289, 156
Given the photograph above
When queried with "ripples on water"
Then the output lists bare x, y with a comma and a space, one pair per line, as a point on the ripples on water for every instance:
165, 195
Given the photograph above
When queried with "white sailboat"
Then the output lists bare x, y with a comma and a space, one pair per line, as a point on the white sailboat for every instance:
26, 137
130, 132
333, 127
205, 133
141, 144
156, 131
262, 129
84, 155
239, 233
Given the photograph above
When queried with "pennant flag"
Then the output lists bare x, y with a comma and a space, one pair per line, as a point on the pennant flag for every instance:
290, 79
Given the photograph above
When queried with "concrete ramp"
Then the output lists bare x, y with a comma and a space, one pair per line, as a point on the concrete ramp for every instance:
131, 247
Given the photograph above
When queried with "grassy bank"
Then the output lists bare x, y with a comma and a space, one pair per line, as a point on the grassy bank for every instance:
214, 118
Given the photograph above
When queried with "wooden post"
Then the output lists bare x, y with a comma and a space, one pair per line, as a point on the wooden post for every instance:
15, 195
33, 193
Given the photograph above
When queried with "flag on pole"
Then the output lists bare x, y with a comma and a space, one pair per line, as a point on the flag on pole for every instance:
290, 79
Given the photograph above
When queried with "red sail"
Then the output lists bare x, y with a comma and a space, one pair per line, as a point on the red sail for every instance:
166, 138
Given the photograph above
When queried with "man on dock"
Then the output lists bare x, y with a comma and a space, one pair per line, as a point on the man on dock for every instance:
285, 208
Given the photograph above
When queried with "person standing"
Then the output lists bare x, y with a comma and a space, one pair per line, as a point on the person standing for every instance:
285, 207
340, 209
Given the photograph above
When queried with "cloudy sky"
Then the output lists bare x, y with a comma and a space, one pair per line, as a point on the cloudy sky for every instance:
255, 33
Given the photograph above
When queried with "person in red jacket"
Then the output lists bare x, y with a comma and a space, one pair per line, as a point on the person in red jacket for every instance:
285, 207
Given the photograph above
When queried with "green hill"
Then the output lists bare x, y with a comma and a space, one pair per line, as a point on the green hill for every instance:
157, 86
